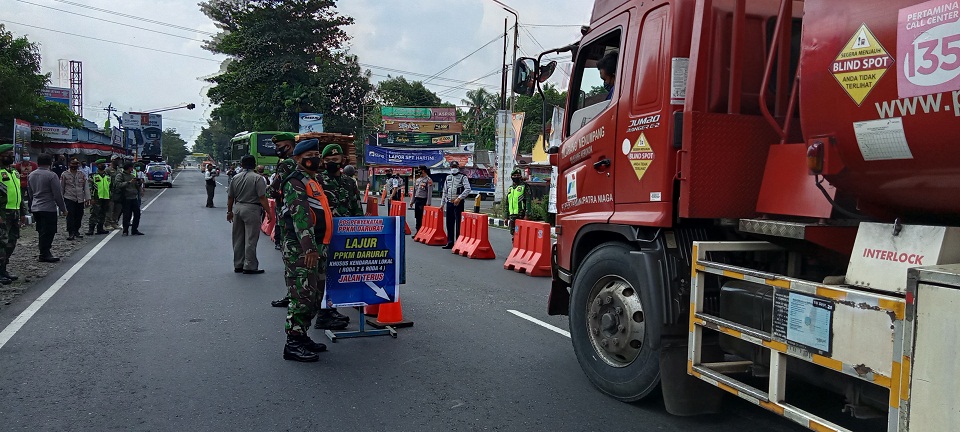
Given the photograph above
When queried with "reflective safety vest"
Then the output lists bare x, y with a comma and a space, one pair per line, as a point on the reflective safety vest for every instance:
10, 179
102, 183
514, 197
318, 203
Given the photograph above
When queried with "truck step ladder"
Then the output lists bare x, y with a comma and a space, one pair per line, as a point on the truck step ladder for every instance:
871, 317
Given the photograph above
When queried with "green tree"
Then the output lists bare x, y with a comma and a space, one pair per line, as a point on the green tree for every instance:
214, 139
174, 147
286, 57
479, 121
20, 86
400, 92
533, 119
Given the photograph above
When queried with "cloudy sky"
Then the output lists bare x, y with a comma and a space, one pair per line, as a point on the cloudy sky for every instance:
146, 54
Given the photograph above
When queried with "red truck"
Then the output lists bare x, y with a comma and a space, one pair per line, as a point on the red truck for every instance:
763, 197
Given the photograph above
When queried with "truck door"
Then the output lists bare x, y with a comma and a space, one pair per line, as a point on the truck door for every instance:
643, 155
587, 156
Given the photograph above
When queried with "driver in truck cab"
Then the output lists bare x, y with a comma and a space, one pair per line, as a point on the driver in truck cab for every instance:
607, 65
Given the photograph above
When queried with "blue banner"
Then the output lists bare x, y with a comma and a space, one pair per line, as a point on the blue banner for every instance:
377, 155
365, 261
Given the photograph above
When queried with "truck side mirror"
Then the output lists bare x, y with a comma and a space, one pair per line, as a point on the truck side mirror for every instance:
546, 71
524, 76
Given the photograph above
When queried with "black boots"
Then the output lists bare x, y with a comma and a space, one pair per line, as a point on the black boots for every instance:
284, 302
326, 320
334, 313
298, 348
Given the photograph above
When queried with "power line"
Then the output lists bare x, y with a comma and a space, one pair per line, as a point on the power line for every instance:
451, 91
411, 73
112, 22
464, 58
81, 5
548, 25
113, 42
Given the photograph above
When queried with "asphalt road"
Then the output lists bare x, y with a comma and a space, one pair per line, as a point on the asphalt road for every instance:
157, 333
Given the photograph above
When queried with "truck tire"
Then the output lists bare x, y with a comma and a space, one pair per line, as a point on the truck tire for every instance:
611, 337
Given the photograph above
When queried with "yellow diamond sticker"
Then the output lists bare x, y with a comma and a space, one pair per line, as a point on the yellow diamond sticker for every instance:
640, 156
861, 64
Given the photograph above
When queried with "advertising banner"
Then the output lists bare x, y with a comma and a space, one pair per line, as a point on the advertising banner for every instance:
404, 139
464, 159
517, 123
401, 171
442, 114
54, 132
144, 133
56, 94
366, 261
311, 122
423, 127
504, 163
21, 133
377, 155
116, 137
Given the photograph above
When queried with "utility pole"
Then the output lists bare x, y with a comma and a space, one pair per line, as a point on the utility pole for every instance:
109, 109
503, 75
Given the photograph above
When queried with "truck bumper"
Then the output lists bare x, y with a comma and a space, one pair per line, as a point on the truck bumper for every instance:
559, 301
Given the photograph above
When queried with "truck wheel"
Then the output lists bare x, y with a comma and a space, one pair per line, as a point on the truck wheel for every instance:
608, 326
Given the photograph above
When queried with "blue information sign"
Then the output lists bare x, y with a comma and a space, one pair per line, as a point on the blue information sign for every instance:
365, 261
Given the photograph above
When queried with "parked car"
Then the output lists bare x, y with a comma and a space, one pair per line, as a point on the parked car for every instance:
159, 175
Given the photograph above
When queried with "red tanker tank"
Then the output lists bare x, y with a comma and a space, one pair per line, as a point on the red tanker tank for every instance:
883, 84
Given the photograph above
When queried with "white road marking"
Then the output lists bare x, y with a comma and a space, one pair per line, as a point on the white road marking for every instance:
34, 307
540, 323
25, 316
154, 199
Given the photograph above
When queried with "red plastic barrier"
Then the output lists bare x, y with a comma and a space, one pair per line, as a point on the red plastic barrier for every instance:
474, 240
372, 207
431, 232
268, 224
531, 249
399, 208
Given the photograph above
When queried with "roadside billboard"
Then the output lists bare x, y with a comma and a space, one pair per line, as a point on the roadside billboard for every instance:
144, 134
56, 94
311, 122
58, 133
439, 114
423, 127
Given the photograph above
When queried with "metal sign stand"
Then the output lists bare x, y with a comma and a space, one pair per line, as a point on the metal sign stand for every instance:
361, 332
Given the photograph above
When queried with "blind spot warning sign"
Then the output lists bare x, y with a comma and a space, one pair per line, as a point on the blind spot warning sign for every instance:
861, 64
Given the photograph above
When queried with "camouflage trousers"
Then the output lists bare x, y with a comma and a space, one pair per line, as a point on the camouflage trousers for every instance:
304, 287
9, 234
98, 213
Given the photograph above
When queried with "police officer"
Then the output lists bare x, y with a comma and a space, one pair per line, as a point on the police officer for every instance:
308, 228
455, 189
344, 198
116, 204
13, 213
99, 198
517, 199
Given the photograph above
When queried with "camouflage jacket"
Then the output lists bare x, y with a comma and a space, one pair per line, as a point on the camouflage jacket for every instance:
343, 194
298, 216
284, 169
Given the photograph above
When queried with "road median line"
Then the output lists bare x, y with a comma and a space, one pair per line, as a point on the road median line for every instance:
540, 323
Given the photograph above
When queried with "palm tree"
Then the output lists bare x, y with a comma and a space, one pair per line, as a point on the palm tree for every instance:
482, 112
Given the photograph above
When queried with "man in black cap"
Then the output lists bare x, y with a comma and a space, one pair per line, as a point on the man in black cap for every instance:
455, 190
13, 213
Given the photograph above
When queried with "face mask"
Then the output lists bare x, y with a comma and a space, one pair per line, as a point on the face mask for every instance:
332, 167
282, 153
516, 179
455, 170
311, 164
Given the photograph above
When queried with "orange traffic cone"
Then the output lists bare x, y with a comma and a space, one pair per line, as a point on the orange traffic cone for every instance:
391, 314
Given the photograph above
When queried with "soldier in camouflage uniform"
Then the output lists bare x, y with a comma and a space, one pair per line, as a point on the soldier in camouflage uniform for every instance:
99, 198
284, 143
344, 198
12, 214
308, 226
115, 206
